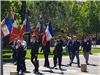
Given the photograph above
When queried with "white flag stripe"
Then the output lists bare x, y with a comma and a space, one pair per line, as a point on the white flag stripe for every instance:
4, 28
15, 24
49, 36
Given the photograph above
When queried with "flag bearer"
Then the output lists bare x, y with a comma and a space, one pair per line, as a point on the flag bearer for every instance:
75, 51
20, 57
46, 51
24, 44
34, 53
58, 53
86, 49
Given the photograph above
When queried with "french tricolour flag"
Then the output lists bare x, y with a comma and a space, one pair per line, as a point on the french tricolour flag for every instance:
39, 27
26, 25
48, 34
15, 32
4, 29
6, 26
8, 22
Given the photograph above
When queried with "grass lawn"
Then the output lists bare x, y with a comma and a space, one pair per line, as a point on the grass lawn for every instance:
8, 52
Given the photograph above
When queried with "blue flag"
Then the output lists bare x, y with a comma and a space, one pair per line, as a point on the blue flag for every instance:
27, 23
8, 23
50, 28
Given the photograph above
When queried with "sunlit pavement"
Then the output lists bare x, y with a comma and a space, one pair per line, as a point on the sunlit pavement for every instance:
93, 68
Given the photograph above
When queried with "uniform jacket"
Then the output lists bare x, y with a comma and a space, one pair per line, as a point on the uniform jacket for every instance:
86, 46
20, 53
35, 47
58, 48
69, 46
76, 45
46, 48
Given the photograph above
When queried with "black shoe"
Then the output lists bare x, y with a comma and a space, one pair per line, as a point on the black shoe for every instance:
53, 67
87, 63
18, 72
69, 64
44, 65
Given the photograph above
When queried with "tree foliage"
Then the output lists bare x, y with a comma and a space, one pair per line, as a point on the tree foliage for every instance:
68, 17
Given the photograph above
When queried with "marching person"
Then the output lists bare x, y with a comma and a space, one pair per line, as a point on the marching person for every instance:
14, 51
58, 53
46, 52
24, 44
20, 57
75, 51
34, 53
86, 49
69, 47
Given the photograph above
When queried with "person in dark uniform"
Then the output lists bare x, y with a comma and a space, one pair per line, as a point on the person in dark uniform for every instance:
75, 51
20, 57
14, 51
24, 44
58, 53
69, 47
86, 49
34, 53
46, 51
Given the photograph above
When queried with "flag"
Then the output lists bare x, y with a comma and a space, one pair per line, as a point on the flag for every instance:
50, 28
47, 35
26, 25
27, 22
4, 29
23, 28
15, 32
8, 23
2, 35
39, 28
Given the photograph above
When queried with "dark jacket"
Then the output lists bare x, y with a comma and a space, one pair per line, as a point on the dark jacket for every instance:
69, 46
35, 47
86, 46
20, 53
76, 45
46, 48
58, 48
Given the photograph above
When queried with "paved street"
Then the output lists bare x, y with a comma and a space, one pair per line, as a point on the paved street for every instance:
93, 69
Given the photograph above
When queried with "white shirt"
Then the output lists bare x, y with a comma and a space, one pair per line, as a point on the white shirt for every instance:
24, 44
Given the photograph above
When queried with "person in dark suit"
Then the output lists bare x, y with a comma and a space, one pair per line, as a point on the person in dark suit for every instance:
14, 51
24, 44
58, 53
46, 52
20, 57
86, 49
34, 53
69, 47
75, 51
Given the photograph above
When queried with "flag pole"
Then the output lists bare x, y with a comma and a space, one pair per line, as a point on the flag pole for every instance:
1, 62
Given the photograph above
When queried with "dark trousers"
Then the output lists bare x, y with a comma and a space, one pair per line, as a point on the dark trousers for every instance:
20, 65
24, 61
59, 57
86, 56
46, 62
14, 55
35, 62
77, 57
70, 55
